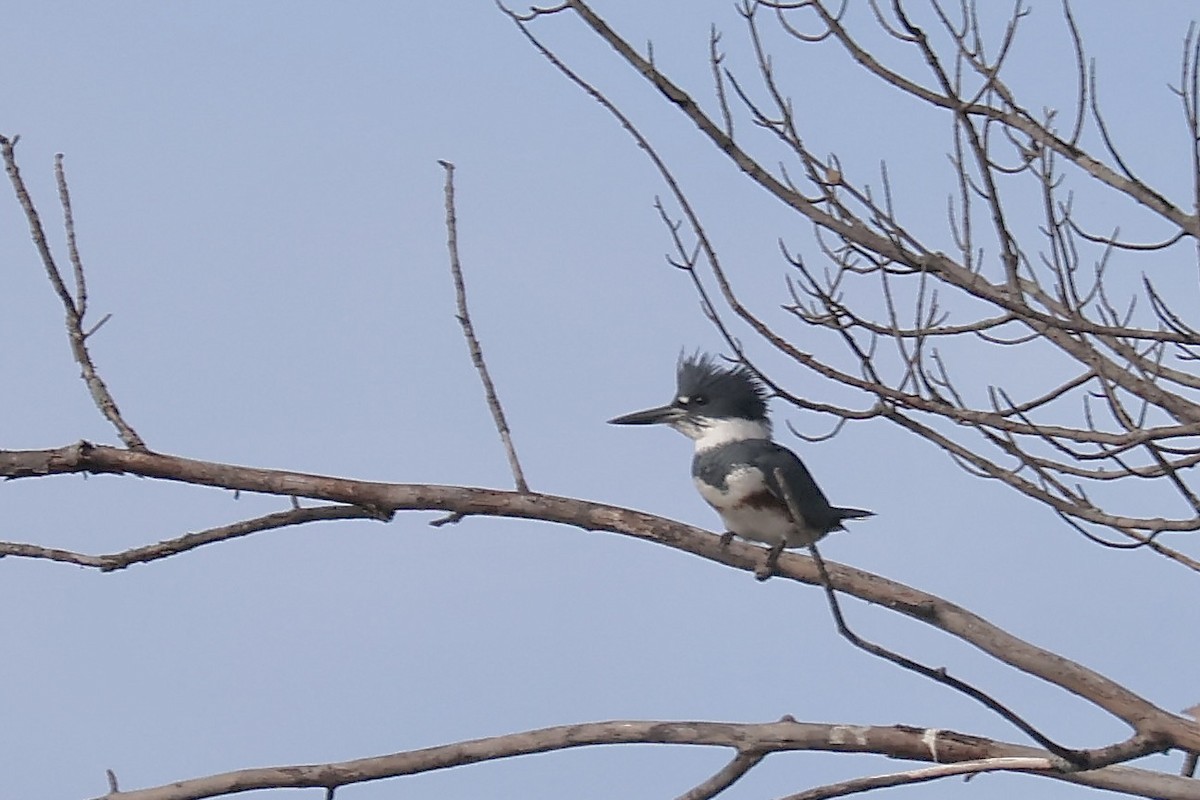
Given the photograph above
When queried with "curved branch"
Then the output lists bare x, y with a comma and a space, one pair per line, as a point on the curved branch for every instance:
875, 242
1042, 135
1056, 329
896, 741
1139, 713
181, 544
924, 775
728, 775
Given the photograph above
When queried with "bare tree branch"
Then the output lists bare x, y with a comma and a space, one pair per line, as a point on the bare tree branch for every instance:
1153, 724
464, 319
75, 307
939, 675
1040, 300
181, 544
924, 775
1126, 412
742, 763
945, 747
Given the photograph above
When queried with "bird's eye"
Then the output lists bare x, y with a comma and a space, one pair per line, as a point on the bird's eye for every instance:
700, 400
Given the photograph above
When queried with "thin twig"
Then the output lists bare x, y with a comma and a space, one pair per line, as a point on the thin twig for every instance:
111, 562
64, 197
924, 774
937, 674
74, 306
464, 319
871, 239
728, 775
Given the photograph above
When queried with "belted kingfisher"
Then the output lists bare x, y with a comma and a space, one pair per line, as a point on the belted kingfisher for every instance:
737, 468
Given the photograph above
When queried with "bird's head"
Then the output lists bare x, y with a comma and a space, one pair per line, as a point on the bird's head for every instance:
710, 398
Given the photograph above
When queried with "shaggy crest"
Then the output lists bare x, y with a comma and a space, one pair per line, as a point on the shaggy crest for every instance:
700, 378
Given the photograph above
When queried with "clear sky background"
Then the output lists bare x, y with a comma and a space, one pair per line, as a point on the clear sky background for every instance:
259, 206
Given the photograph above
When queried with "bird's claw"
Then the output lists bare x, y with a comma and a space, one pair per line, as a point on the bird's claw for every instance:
767, 568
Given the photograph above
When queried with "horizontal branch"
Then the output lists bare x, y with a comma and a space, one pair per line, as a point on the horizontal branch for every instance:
110, 562
897, 741
384, 498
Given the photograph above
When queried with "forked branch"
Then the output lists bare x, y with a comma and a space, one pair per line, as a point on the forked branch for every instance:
75, 305
1031, 298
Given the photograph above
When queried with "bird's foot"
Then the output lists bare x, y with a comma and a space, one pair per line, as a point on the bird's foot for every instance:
726, 538
767, 568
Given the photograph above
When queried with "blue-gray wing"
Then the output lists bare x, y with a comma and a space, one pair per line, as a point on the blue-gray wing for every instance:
777, 460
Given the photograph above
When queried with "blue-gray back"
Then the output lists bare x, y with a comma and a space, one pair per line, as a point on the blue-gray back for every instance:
711, 466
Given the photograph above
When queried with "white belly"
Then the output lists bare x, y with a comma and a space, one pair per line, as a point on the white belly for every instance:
766, 525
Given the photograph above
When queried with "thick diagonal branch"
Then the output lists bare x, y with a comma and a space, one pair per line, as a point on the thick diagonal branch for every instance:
1146, 718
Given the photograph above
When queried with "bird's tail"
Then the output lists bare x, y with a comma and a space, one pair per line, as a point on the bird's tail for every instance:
853, 513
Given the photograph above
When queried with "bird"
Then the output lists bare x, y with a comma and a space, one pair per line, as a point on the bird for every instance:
761, 489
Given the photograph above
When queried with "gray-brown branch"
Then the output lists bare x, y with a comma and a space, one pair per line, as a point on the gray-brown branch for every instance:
1143, 716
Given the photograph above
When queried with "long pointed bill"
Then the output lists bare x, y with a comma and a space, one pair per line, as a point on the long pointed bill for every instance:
651, 416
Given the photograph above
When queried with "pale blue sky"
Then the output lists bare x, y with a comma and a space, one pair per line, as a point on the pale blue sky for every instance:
260, 208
